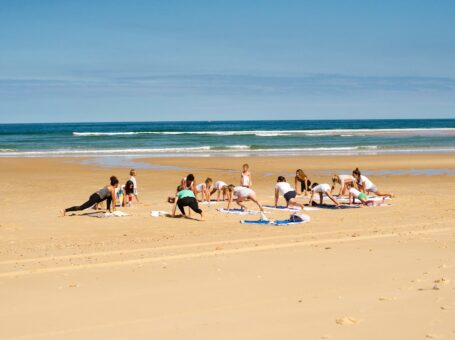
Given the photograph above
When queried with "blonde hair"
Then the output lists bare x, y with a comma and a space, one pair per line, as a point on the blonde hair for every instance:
208, 181
335, 179
245, 166
230, 187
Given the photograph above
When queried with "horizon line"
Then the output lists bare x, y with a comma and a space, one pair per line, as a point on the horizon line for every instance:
223, 120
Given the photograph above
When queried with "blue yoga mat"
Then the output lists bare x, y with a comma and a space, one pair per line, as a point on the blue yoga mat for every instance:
255, 222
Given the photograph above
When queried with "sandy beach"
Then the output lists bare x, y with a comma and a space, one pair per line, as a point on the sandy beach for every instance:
369, 273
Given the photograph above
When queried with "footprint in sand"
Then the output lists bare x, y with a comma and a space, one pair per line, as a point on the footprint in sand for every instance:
442, 280
346, 320
386, 298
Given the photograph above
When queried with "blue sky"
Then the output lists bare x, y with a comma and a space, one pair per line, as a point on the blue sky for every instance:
220, 60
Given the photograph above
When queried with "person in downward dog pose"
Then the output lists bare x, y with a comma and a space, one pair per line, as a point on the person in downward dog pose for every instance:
219, 187
186, 198
205, 190
356, 194
342, 180
241, 194
322, 189
245, 177
284, 188
107, 193
301, 182
366, 186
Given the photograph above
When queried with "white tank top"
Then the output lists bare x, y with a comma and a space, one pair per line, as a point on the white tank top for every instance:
283, 187
368, 184
219, 184
201, 187
245, 180
355, 192
321, 188
346, 177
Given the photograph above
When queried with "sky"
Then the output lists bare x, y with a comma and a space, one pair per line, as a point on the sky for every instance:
82, 61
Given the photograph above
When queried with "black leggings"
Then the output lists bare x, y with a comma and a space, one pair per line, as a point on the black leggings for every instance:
95, 198
302, 185
188, 202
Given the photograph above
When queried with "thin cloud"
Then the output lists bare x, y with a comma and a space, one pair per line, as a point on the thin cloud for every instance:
214, 84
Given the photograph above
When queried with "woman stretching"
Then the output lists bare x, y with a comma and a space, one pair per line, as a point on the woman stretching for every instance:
302, 183
241, 194
322, 189
366, 185
219, 187
342, 180
284, 188
186, 198
205, 189
107, 193
356, 194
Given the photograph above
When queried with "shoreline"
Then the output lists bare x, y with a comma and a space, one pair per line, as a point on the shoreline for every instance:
231, 152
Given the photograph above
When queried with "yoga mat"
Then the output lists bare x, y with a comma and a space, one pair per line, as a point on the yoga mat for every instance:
255, 222
239, 211
282, 208
277, 223
334, 207
211, 202
107, 214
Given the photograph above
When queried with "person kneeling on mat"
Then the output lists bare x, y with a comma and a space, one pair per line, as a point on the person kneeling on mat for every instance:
186, 198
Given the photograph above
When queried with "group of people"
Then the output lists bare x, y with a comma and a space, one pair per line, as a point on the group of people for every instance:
113, 194
190, 194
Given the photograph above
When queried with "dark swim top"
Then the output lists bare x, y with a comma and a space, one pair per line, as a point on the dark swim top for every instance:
104, 193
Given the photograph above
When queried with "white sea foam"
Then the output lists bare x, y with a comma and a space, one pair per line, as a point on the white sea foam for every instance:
275, 133
233, 150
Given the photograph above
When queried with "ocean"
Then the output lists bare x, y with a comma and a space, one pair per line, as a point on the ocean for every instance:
228, 138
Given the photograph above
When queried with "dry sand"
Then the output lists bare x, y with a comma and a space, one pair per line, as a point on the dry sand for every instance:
370, 273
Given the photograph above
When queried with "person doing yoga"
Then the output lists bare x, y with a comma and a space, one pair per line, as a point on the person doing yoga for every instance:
205, 189
322, 189
242, 193
284, 188
342, 180
366, 186
107, 193
186, 198
301, 182
189, 182
220, 188
362, 197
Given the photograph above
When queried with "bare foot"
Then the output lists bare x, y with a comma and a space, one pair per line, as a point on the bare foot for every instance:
63, 212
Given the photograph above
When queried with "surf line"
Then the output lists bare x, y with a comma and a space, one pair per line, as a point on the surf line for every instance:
212, 253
